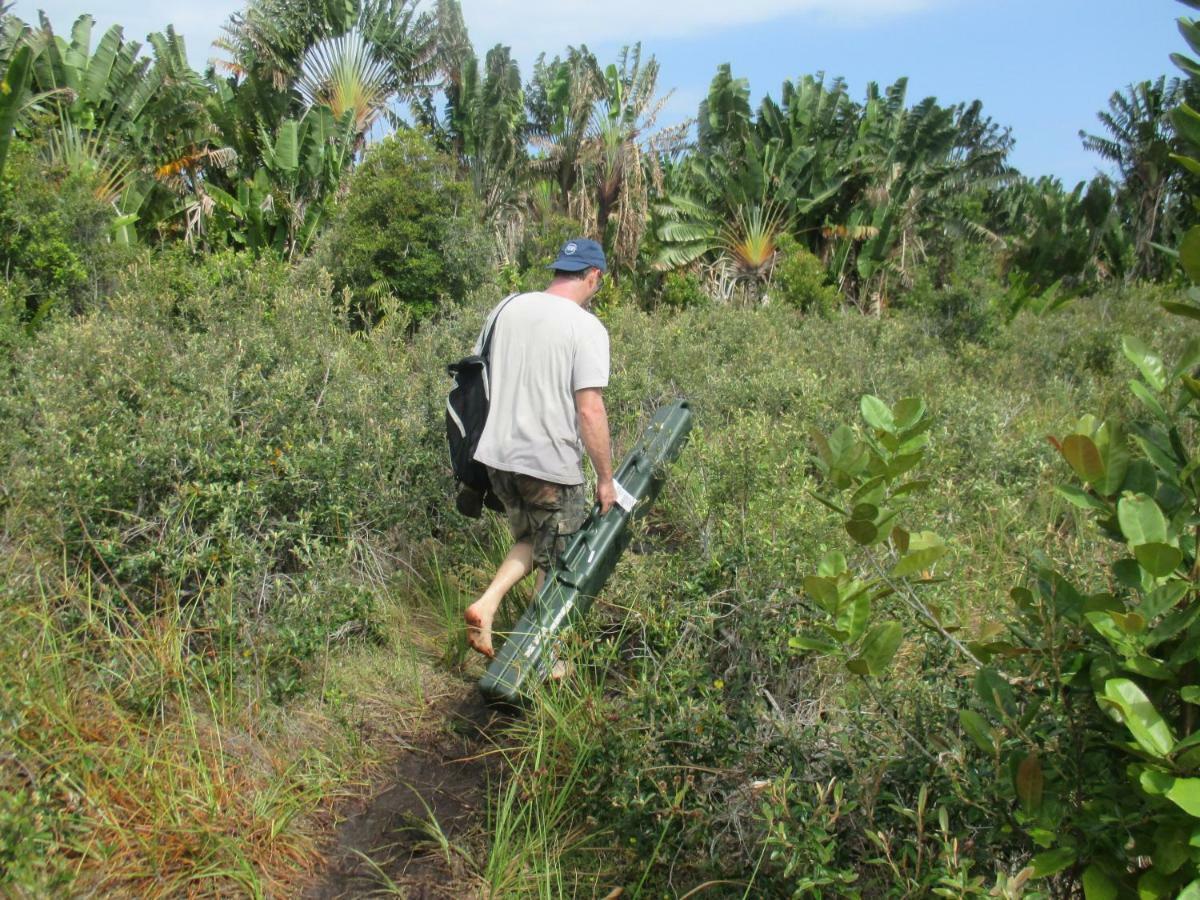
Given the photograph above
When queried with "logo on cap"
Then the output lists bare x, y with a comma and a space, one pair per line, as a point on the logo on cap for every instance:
570, 248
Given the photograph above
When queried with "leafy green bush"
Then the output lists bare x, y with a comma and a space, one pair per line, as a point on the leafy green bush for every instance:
738, 742
219, 438
407, 233
965, 304
801, 281
542, 240
56, 248
682, 290
1064, 677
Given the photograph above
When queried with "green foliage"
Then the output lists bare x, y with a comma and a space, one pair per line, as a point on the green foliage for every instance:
801, 842
407, 233
56, 247
800, 281
281, 205
32, 822
1139, 140
968, 303
716, 589
861, 183
1071, 676
541, 242
13, 86
682, 290
1062, 242
220, 439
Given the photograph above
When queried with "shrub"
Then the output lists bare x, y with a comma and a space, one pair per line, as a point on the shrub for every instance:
967, 304
56, 250
218, 438
407, 233
744, 755
542, 240
682, 290
801, 281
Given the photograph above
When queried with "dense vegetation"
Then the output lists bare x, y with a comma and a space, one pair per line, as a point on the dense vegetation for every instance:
880, 637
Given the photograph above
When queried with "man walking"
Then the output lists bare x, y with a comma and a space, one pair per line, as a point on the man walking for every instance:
549, 366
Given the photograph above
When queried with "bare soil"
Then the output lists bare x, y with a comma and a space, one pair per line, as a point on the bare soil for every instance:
416, 836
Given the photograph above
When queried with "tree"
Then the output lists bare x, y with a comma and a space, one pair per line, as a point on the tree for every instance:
1139, 141
619, 160
483, 125
863, 186
407, 233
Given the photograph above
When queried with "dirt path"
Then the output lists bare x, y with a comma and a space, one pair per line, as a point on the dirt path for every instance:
414, 836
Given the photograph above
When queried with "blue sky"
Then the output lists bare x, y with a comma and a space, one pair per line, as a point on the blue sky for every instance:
1042, 67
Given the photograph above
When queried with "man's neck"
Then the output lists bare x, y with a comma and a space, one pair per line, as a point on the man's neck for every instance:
569, 289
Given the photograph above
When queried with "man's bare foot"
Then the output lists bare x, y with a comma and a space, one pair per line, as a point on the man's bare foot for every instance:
479, 628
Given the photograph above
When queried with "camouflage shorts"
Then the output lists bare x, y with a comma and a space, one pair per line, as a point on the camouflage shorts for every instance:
541, 512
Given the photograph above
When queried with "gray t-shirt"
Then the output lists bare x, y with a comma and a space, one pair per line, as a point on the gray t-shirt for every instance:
544, 349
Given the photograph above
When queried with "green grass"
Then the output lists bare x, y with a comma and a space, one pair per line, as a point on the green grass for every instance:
222, 606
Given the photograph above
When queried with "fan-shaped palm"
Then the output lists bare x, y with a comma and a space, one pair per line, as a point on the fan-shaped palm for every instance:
361, 54
346, 74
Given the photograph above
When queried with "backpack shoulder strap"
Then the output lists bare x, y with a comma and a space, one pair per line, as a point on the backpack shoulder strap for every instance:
485, 349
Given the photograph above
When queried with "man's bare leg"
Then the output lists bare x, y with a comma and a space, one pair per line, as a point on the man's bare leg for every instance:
479, 615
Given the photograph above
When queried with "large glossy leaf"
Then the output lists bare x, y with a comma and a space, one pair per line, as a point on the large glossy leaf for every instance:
1148, 728
285, 155
1174, 623
1154, 885
1148, 399
924, 549
832, 564
862, 531
1052, 862
100, 66
1097, 885
1142, 522
12, 95
1187, 120
1079, 497
994, 690
880, 646
1183, 309
877, 414
1148, 362
820, 645
978, 730
1140, 478
1110, 439
1185, 793
1188, 359
1030, 783
854, 615
872, 491
1158, 559
1081, 452
1189, 247
1162, 599
908, 412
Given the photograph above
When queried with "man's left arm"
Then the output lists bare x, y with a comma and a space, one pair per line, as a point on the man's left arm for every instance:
593, 430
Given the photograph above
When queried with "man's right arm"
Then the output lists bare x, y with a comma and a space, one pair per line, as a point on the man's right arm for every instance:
593, 429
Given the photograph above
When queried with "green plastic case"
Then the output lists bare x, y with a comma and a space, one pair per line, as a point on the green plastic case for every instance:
529, 654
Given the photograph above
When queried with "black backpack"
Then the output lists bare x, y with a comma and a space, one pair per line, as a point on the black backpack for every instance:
466, 414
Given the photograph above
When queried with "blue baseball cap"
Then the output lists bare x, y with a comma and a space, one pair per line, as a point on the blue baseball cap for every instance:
578, 254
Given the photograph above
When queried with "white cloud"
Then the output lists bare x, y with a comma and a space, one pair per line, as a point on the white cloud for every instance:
531, 26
